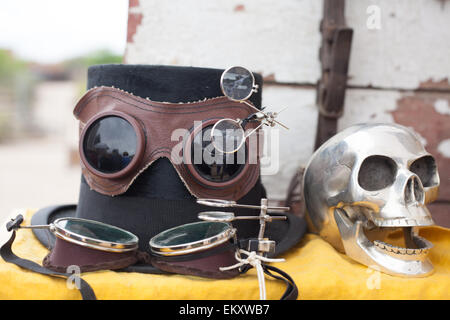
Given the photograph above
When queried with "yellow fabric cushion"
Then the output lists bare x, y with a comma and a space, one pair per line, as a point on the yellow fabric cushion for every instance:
319, 271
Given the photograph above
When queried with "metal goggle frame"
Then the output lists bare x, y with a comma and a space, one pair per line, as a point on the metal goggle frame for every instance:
191, 238
86, 233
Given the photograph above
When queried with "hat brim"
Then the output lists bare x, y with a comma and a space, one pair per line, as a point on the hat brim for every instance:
285, 233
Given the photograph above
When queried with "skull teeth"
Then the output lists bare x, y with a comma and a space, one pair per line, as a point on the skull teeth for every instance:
399, 250
403, 222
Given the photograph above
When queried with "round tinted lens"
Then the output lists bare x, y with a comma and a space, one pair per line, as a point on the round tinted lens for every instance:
227, 136
188, 233
97, 231
237, 83
214, 165
110, 144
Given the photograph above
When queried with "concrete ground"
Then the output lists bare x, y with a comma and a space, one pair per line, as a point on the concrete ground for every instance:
35, 173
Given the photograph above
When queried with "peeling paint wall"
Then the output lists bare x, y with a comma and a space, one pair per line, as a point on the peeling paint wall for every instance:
399, 66
411, 45
134, 19
267, 37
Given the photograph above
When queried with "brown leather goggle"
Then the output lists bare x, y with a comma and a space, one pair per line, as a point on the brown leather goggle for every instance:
122, 134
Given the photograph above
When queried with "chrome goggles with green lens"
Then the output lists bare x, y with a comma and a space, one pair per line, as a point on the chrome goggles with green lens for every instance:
81, 245
197, 249
87, 244
210, 248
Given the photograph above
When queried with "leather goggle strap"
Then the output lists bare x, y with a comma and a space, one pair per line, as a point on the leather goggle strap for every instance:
87, 293
111, 265
205, 263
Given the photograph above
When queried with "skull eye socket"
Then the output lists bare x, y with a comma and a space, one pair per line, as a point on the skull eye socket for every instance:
377, 172
425, 169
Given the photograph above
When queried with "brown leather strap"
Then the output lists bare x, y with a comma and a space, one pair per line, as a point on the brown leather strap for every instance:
203, 263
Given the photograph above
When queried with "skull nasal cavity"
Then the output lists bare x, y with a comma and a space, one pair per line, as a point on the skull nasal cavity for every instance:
413, 191
377, 172
425, 169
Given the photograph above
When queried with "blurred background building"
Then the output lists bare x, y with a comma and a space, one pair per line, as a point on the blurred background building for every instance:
45, 50
399, 71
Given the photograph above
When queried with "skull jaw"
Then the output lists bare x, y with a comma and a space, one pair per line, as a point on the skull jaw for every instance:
359, 248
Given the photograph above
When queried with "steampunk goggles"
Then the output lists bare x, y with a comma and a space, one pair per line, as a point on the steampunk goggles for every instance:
208, 248
87, 244
121, 135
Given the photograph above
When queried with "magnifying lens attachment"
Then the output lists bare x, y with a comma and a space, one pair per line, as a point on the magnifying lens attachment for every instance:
227, 135
238, 83
232, 204
216, 216
260, 244
216, 203
221, 216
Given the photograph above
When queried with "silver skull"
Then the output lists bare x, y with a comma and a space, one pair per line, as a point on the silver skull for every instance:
366, 182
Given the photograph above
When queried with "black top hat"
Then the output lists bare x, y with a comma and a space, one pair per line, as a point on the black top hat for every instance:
158, 200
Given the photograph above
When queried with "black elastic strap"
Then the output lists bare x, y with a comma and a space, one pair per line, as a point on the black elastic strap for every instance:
6, 253
291, 292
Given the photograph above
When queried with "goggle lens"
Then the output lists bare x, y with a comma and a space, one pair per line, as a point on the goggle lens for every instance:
237, 83
213, 165
110, 144
188, 233
227, 136
97, 231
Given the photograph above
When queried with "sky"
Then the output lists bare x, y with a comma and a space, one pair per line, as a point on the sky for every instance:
49, 31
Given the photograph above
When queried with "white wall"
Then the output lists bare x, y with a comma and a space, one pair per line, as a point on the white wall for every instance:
408, 48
